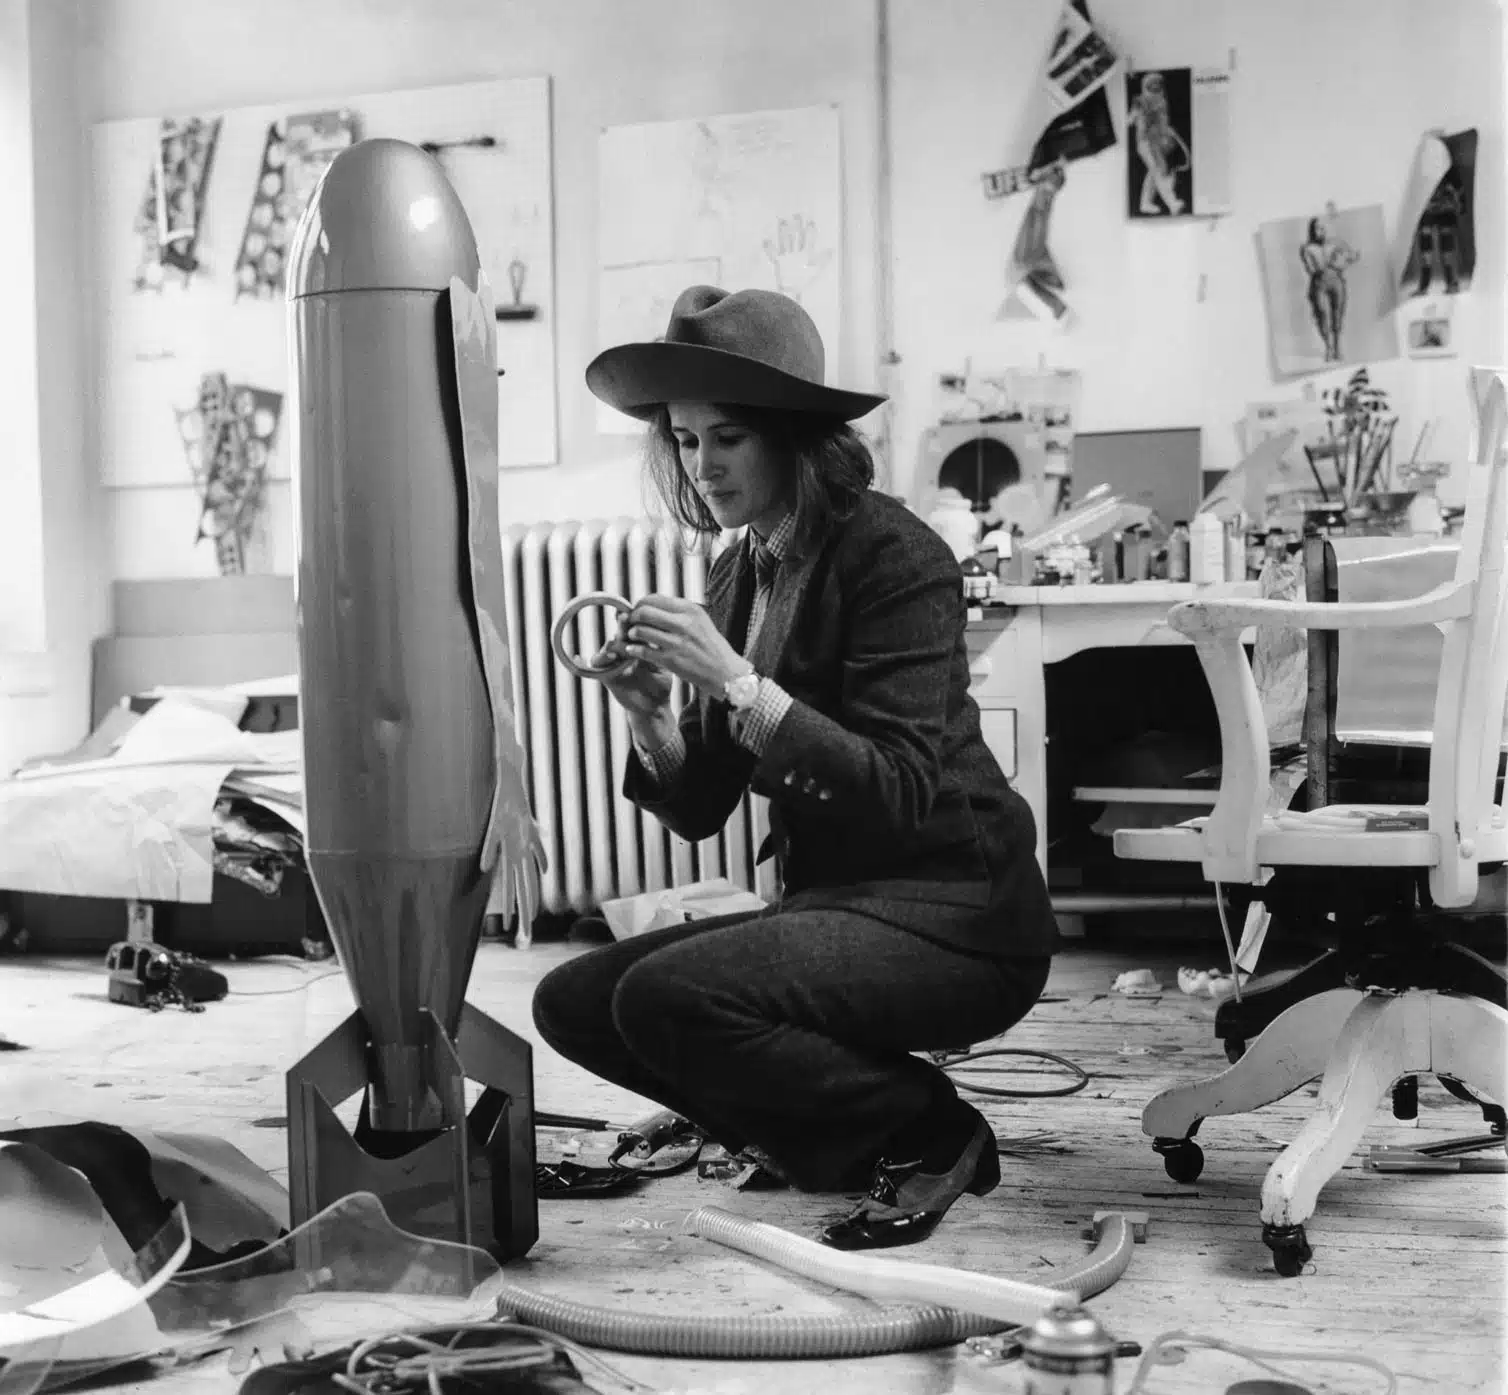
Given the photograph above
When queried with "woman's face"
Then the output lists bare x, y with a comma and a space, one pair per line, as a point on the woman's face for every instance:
733, 468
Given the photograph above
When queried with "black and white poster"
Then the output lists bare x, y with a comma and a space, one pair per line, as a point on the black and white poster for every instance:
1438, 218
1178, 142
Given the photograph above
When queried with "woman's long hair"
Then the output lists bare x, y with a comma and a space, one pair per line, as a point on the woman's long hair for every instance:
830, 468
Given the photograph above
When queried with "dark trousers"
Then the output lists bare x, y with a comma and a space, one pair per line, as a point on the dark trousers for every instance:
790, 1030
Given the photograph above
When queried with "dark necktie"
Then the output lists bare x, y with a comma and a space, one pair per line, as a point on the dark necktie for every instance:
765, 563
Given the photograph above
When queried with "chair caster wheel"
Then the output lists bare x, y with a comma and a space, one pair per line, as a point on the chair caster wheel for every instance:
1235, 1049
1182, 1158
1290, 1248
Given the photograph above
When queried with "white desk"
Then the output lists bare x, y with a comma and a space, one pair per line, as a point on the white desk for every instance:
1029, 627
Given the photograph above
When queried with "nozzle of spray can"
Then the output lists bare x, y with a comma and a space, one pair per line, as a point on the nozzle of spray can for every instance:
1067, 1352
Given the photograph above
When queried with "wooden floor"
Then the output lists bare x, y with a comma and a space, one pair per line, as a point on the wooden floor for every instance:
1408, 1268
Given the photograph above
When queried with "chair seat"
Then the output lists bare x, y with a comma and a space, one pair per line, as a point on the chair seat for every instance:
1339, 835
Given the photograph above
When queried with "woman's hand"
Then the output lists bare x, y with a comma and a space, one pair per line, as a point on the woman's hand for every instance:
640, 688
678, 636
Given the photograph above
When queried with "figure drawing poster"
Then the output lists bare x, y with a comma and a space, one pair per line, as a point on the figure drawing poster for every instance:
1178, 143
1328, 290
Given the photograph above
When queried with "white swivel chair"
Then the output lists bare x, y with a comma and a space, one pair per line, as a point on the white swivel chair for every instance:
1362, 1038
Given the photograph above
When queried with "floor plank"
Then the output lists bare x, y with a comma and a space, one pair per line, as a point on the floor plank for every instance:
1408, 1268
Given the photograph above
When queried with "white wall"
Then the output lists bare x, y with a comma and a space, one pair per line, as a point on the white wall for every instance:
23, 624
1330, 99
53, 577
610, 61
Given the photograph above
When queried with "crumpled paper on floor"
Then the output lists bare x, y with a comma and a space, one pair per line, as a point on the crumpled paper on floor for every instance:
656, 910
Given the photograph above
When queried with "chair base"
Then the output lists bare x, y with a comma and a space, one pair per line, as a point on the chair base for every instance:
1362, 1043
1442, 966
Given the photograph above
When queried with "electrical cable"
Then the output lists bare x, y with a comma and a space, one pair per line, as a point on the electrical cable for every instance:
1230, 944
950, 1063
418, 1361
294, 988
1169, 1348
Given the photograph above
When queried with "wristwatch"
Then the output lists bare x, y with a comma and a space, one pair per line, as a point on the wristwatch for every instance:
741, 692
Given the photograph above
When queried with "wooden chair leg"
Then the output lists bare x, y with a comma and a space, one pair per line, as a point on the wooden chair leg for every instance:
1469, 1043
1290, 1052
1384, 1037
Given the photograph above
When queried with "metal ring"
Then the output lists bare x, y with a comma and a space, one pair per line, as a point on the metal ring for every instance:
607, 601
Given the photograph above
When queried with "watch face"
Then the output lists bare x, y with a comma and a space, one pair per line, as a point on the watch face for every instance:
743, 690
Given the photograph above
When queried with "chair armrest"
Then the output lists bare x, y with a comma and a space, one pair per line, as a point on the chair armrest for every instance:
1230, 832
1452, 601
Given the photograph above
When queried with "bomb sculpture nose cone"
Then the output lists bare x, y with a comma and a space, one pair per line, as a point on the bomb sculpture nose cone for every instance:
384, 217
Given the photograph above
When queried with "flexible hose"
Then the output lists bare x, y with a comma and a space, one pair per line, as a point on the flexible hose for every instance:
784, 1337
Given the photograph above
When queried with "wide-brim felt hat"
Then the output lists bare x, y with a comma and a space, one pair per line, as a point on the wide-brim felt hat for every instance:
745, 348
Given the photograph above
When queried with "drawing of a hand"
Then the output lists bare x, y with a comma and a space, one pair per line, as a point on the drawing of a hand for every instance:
794, 254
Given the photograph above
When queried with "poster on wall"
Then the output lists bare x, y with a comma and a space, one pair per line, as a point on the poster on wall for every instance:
298, 151
741, 202
167, 220
1328, 290
493, 141
1438, 219
1178, 142
1070, 113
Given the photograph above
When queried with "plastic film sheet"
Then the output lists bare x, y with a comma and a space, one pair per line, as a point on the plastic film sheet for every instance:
512, 848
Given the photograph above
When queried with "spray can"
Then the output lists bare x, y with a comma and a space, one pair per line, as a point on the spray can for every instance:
1178, 551
1067, 1352
1235, 551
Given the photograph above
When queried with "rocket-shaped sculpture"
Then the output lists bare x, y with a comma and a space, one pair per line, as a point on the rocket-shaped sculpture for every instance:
413, 784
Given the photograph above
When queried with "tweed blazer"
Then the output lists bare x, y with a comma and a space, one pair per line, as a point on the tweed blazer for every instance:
883, 795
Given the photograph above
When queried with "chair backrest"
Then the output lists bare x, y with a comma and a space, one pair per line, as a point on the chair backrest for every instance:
1473, 688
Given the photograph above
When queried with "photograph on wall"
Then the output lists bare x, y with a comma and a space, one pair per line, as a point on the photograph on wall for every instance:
1428, 328
1328, 290
1178, 142
1438, 217
1080, 62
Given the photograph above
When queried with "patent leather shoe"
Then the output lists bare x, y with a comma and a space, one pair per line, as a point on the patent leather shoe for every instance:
905, 1204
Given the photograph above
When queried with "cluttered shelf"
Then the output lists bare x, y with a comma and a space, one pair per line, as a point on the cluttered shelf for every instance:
1118, 593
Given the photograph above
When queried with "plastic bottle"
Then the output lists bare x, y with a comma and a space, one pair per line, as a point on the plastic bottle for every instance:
1178, 551
1235, 550
1206, 550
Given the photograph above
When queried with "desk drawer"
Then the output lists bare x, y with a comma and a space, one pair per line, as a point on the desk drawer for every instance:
998, 726
994, 662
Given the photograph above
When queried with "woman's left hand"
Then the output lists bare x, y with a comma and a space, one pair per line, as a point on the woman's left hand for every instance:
678, 635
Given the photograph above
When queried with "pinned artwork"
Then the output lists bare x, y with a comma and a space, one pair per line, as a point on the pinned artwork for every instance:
1178, 142
493, 142
1328, 290
298, 151
1438, 218
1070, 116
227, 435
747, 200
167, 221
1428, 328
1036, 284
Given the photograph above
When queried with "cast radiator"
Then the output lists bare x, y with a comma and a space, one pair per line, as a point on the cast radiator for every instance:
574, 735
